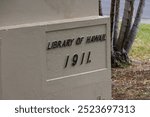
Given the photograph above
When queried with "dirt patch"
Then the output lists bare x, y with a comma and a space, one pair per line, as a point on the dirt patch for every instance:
132, 82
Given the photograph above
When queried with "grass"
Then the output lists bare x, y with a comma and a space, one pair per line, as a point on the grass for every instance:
141, 46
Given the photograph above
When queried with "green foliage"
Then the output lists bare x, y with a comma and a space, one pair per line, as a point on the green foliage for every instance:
141, 46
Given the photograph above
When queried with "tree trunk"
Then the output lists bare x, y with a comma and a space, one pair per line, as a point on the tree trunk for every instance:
134, 29
129, 23
126, 24
116, 22
122, 45
100, 8
112, 14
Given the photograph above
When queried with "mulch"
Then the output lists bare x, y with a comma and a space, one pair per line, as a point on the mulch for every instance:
131, 83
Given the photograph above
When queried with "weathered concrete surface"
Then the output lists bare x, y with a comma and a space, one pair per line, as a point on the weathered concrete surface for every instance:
14, 12
28, 70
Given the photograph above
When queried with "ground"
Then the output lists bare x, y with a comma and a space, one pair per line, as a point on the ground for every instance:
132, 82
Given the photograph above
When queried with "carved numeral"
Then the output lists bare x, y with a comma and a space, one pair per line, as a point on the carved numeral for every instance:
74, 60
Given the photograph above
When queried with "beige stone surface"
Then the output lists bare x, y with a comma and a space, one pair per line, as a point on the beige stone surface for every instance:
15, 12
29, 71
